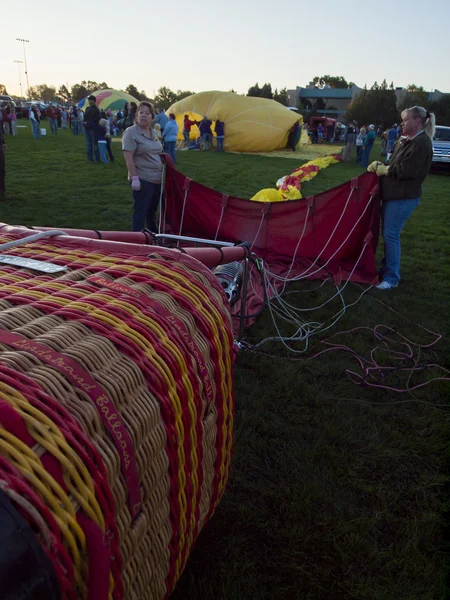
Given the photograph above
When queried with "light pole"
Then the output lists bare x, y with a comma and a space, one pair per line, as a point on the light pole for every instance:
25, 59
19, 62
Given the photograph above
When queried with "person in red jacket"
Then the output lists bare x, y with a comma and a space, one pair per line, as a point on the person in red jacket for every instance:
187, 124
51, 114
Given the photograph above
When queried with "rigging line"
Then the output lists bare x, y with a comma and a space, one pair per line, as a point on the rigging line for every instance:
220, 222
302, 276
259, 229
296, 248
342, 289
182, 212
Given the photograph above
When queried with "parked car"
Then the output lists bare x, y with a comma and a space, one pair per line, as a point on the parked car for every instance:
24, 110
5, 100
441, 145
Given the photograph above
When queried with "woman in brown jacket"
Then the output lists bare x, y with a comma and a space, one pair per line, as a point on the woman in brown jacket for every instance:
401, 186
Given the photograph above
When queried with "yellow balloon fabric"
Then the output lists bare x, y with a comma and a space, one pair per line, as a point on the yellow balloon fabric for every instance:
251, 124
300, 175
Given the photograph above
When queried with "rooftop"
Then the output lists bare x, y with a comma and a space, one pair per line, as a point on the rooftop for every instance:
326, 92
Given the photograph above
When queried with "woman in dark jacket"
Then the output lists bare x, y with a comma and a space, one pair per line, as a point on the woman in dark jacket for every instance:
401, 186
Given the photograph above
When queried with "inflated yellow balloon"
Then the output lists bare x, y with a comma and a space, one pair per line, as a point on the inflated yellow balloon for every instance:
251, 124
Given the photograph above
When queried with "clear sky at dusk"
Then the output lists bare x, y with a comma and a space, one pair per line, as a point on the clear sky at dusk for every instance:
228, 44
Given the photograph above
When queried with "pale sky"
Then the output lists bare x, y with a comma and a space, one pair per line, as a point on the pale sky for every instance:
221, 45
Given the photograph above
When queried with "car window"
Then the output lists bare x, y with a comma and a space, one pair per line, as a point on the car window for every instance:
442, 134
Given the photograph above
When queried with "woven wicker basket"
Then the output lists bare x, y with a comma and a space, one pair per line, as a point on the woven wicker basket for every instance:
116, 412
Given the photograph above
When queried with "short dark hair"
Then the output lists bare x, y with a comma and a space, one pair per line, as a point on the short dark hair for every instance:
172, 116
149, 105
92, 97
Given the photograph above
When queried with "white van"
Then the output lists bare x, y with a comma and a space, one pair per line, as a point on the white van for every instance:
441, 145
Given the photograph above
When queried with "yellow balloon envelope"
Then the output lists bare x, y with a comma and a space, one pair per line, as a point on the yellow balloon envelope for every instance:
251, 124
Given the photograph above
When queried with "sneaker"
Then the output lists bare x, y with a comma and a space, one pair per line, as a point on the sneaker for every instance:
384, 285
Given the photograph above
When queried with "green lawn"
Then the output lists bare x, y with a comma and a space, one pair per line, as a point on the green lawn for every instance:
336, 491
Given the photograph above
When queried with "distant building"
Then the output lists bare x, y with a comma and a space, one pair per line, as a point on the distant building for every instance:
327, 101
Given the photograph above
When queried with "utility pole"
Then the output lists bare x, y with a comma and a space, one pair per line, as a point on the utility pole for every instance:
19, 62
25, 59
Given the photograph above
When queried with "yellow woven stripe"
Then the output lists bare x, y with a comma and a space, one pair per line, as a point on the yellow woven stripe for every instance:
47, 488
163, 369
49, 436
183, 285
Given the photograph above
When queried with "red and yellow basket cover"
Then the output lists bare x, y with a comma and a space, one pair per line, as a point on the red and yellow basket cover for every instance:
116, 412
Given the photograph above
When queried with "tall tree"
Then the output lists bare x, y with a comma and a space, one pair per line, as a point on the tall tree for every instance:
93, 86
377, 106
254, 91
133, 91
281, 96
332, 81
165, 98
261, 92
180, 94
64, 93
415, 96
79, 92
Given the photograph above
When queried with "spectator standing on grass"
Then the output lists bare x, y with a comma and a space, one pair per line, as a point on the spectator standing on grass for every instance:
205, 133
80, 121
219, 128
360, 143
349, 139
143, 158
64, 117
369, 141
74, 120
35, 120
100, 137
392, 137
401, 186
2, 166
108, 139
12, 118
91, 119
170, 134
162, 119
319, 133
187, 124
51, 114
58, 113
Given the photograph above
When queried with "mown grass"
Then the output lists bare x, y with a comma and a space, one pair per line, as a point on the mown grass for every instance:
336, 491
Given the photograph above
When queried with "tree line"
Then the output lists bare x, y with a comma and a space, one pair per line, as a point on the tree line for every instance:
377, 105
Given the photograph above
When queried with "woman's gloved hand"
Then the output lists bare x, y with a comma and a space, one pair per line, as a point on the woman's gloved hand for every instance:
135, 183
382, 170
373, 166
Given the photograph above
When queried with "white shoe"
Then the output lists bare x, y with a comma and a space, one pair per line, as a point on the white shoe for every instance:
384, 285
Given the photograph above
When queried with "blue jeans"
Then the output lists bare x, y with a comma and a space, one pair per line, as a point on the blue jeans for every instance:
206, 140
36, 130
394, 215
53, 126
91, 145
146, 202
359, 153
219, 142
186, 136
170, 149
365, 156
102, 151
75, 126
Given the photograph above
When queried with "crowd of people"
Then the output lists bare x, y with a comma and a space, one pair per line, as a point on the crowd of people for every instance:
149, 135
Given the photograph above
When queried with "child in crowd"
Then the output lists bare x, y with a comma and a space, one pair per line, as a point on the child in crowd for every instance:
12, 118
100, 135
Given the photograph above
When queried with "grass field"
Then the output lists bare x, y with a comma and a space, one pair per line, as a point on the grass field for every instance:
336, 491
